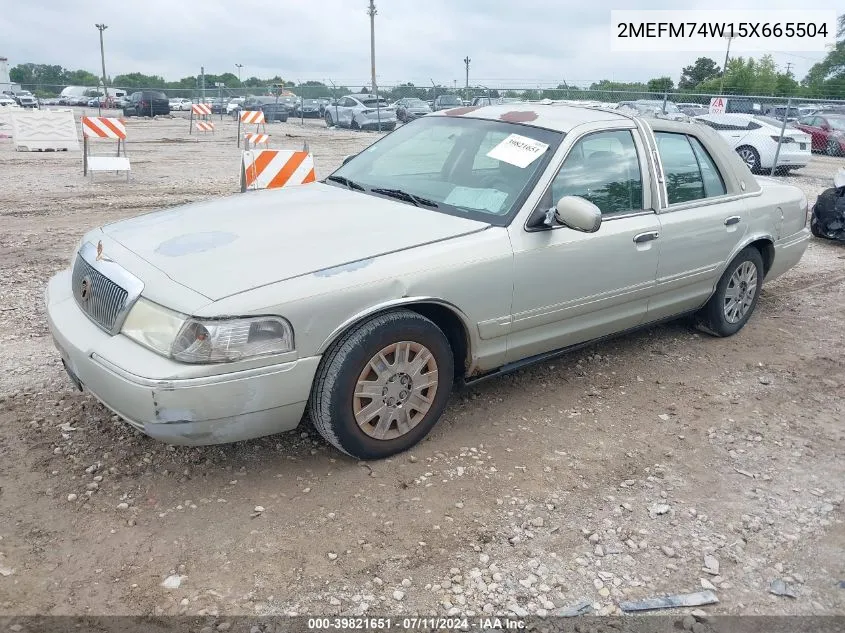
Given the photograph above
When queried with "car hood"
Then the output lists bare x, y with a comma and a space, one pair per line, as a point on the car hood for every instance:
229, 245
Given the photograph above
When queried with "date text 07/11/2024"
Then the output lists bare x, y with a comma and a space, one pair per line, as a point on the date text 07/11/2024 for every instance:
415, 623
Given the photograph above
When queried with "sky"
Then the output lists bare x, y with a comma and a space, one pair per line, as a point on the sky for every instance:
527, 43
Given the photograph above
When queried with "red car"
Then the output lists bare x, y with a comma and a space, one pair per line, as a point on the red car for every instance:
828, 132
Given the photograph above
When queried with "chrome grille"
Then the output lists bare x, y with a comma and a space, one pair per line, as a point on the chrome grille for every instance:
103, 299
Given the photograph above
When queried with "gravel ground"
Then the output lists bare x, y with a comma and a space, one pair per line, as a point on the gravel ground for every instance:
659, 463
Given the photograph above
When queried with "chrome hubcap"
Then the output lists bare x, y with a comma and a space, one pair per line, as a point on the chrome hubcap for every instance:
748, 157
395, 390
740, 293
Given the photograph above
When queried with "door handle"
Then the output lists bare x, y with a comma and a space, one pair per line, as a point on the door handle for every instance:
734, 219
646, 237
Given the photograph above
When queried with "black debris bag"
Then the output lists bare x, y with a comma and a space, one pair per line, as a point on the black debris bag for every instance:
829, 214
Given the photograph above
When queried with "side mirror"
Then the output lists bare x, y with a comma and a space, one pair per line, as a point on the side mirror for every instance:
346, 159
578, 213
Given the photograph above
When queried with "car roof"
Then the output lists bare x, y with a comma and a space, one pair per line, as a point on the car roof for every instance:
733, 117
558, 117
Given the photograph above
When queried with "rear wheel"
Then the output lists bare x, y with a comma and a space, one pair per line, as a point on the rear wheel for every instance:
329, 121
750, 157
736, 295
833, 148
355, 125
383, 386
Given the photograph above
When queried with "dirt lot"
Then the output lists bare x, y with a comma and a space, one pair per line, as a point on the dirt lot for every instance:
659, 463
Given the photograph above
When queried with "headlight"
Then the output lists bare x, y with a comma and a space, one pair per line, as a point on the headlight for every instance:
192, 340
222, 341
153, 326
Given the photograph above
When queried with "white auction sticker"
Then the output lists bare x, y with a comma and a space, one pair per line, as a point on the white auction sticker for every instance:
518, 150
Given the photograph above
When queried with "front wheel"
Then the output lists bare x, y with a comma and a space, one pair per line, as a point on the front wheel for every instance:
382, 387
736, 295
355, 125
329, 122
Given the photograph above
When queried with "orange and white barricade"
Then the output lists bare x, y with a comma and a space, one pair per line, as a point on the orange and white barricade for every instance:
276, 168
199, 112
205, 126
256, 139
107, 128
251, 117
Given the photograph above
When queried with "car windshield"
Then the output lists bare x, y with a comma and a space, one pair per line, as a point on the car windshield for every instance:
416, 103
458, 165
837, 122
449, 99
154, 95
310, 102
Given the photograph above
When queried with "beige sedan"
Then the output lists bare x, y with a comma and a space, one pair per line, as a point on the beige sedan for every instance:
466, 244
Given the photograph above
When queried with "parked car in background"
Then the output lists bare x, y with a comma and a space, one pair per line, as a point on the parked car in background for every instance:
739, 105
650, 107
308, 108
273, 107
366, 297
6, 100
779, 112
409, 108
697, 110
234, 104
482, 101
181, 104
444, 102
755, 139
218, 106
25, 99
324, 103
827, 130
147, 103
361, 112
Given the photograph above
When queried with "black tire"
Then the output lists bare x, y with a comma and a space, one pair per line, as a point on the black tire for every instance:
330, 406
711, 318
355, 125
750, 157
329, 121
832, 148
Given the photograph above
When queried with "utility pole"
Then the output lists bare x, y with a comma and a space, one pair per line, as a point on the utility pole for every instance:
788, 67
101, 28
202, 84
239, 66
372, 13
467, 60
725, 65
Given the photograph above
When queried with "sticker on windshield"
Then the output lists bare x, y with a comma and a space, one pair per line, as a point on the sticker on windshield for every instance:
518, 150
480, 199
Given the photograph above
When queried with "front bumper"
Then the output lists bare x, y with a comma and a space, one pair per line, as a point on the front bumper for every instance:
170, 401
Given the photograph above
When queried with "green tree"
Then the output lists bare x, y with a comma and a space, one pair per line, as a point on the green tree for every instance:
660, 84
703, 69
81, 78
827, 77
137, 81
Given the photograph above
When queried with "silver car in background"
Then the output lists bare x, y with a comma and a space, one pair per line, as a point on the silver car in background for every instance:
361, 112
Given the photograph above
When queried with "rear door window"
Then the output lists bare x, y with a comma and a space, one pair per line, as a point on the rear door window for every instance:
689, 170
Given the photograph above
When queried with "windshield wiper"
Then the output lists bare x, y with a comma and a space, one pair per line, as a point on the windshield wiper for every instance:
408, 197
351, 184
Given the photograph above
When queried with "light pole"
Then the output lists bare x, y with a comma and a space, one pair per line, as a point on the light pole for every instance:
725, 65
101, 28
372, 13
239, 66
467, 60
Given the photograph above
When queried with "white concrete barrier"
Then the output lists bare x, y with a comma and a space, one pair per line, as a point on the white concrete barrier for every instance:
44, 130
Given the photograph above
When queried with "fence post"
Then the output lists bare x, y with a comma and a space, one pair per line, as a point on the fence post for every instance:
780, 138
665, 99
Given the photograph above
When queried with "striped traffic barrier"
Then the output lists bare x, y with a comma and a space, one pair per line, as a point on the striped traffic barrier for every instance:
109, 128
276, 168
205, 126
103, 127
251, 117
198, 111
256, 139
